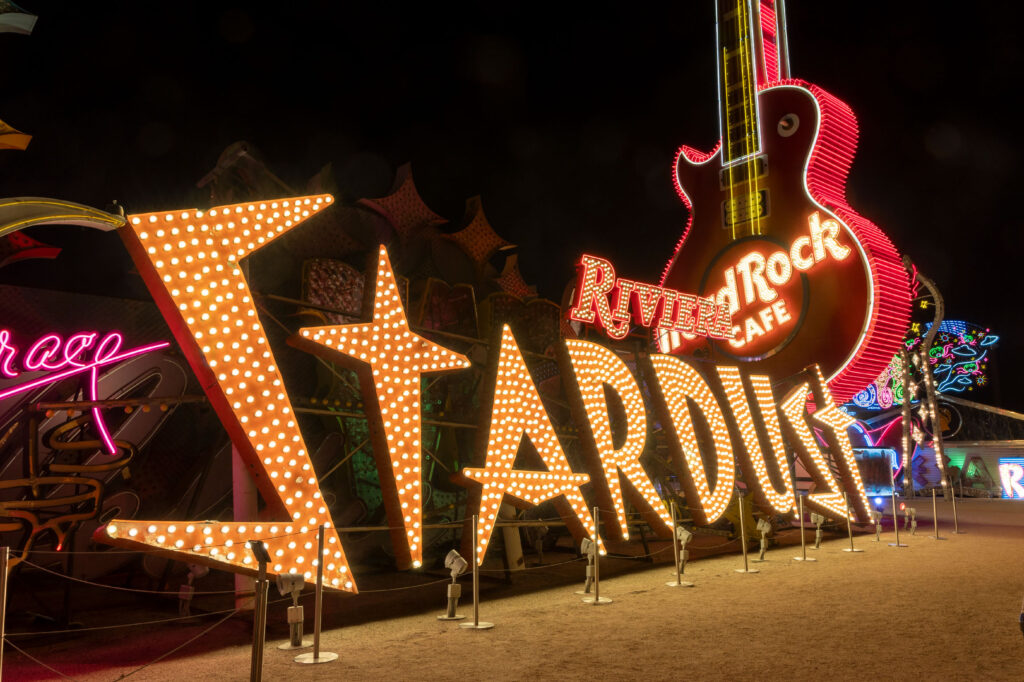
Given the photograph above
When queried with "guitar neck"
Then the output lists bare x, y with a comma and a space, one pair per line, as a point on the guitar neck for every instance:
740, 69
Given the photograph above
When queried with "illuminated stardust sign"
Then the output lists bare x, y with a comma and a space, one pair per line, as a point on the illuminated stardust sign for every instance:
189, 260
83, 353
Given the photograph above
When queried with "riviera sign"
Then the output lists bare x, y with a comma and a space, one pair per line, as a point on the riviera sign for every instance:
611, 302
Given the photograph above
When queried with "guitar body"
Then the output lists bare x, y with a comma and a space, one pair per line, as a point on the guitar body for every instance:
807, 279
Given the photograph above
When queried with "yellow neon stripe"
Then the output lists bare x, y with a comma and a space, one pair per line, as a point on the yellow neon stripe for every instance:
749, 116
52, 202
728, 146
22, 224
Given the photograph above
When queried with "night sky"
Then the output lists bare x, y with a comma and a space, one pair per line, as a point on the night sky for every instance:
565, 121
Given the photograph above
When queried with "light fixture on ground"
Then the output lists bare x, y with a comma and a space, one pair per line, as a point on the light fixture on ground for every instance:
817, 520
292, 583
764, 526
588, 548
876, 518
186, 591
457, 565
910, 519
682, 538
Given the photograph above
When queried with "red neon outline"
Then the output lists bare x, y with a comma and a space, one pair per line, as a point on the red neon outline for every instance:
769, 41
825, 180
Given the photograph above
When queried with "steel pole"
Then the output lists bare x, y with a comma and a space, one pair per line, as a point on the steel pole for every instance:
476, 624
895, 518
935, 517
743, 541
675, 540
317, 610
956, 524
597, 599
803, 540
849, 524
317, 656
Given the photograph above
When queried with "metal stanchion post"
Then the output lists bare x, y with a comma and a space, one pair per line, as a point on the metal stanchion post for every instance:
679, 582
895, 518
318, 656
476, 624
4, 557
935, 518
743, 542
259, 622
597, 599
849, 524
803, 540
956, 523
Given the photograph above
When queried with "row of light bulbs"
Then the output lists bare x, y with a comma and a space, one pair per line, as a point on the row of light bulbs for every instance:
194, 256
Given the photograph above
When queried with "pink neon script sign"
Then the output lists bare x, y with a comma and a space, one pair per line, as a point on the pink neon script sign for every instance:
84, 352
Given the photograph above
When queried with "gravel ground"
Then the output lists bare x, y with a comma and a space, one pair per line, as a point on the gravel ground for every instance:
935, 608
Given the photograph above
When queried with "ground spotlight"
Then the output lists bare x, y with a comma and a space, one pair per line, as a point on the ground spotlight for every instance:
817, 520
910, 519
292, 583
457, 565
186, 591
876, 518
764, 526
588, 548
684, 536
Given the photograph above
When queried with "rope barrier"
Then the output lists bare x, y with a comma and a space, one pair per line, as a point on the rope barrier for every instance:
35, 660
182, 645
145, 622
407, 587
115, 587
529, 568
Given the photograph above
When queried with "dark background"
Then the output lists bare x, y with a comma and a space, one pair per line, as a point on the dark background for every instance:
564, 117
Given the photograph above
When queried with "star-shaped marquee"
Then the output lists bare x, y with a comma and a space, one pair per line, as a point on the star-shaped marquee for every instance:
190, 261
392, 359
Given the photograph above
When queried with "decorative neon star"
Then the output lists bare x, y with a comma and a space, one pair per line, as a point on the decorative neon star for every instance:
518, 412
189, 260
396, 358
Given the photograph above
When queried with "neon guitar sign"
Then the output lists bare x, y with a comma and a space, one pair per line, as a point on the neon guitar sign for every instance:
770, 232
